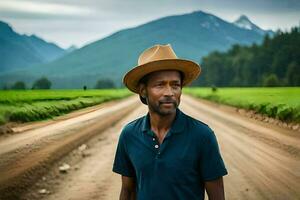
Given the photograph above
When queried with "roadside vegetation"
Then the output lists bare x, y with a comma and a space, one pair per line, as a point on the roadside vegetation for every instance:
34, 105
278, 102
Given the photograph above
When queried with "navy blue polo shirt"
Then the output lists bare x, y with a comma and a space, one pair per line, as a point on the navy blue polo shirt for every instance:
176, 169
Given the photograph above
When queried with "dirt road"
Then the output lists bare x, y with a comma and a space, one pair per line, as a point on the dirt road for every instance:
24, 157
263, 161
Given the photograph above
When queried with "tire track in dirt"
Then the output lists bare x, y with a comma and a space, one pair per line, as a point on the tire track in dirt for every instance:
94, 178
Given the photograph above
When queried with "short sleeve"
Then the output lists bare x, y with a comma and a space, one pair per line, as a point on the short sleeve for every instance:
211, 164
122, 164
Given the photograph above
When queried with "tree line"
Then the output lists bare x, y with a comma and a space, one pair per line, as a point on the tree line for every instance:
276, 62
41, 83
45, 83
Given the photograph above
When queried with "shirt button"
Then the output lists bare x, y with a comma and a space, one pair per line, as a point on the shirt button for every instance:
153, 139
158, 152
156, 146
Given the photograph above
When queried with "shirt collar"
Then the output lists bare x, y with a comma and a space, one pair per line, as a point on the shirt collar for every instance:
177, 126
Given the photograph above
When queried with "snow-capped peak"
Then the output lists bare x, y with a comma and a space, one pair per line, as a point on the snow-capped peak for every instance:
244, 22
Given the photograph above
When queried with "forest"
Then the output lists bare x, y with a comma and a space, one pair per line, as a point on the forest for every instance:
275, 62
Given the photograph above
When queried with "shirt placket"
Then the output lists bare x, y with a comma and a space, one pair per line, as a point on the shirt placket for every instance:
159, 148
156, 147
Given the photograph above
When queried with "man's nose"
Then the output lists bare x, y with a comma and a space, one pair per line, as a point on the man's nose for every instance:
168, 91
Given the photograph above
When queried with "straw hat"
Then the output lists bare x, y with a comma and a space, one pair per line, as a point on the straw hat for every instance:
158, 58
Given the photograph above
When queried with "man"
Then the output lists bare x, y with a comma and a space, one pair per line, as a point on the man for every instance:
167, 155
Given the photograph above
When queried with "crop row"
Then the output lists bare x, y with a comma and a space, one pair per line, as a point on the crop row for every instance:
24, 106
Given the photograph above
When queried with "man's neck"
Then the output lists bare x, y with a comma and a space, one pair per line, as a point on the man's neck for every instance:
161, 124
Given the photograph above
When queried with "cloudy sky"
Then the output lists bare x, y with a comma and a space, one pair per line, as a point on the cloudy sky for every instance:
79, 22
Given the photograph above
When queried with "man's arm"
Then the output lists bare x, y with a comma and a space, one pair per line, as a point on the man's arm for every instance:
215, 189
128, 188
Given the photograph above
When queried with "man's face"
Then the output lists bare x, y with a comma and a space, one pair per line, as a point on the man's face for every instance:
162, 92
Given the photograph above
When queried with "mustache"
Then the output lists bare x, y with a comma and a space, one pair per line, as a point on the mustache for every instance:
168, 100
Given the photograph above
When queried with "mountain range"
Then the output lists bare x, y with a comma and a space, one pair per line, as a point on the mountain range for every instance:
20, 51
191, 35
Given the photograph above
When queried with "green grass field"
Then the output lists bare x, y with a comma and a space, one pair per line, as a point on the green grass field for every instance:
33, 105
281, 103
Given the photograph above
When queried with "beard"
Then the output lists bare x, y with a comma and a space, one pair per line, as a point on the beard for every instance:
160, 108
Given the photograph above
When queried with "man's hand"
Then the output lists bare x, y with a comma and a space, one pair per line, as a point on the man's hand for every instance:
128, 190
215, 189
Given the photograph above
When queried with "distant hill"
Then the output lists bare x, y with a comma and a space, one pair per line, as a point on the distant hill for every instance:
192, 36
21, 51
71, 48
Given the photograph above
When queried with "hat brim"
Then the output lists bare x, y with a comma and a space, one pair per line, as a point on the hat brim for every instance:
190, 69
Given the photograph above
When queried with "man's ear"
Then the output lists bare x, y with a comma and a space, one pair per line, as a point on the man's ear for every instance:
142, 90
